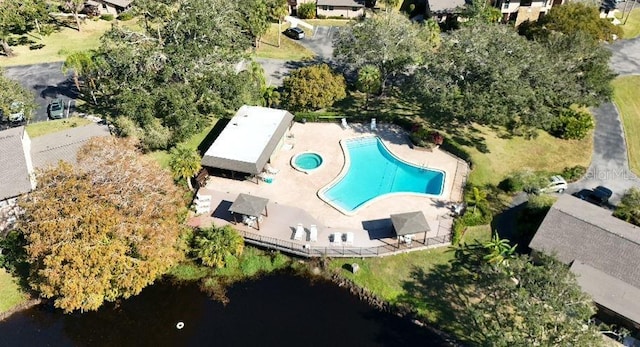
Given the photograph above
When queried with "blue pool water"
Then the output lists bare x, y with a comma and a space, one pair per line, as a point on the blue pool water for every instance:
374, 171
308, 161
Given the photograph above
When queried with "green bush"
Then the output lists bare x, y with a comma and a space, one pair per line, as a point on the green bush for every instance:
511, 185
422, 137
526, 180
574, 173
107, 16
573, 124
307, 10
125, 16
458, 231
317, 117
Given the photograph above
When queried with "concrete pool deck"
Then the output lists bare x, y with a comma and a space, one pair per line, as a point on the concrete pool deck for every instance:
293, 194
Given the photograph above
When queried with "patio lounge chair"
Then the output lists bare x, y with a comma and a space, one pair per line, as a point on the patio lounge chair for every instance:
336, 239
313, 233
349, 238
374, 126
344, 124
299, 232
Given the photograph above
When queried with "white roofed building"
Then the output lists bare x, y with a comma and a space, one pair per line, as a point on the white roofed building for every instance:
249, 140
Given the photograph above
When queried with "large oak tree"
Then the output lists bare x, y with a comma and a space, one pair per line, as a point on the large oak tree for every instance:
490, 75
388, 41
102, 230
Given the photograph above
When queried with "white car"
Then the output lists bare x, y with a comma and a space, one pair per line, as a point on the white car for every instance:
557, 184
17, 112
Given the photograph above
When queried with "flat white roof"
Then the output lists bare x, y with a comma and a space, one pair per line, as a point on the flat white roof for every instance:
247, 134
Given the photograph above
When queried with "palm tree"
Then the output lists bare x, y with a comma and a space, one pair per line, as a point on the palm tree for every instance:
500, 251
184, 163
369, 82
214, 245
80, 62
477, 198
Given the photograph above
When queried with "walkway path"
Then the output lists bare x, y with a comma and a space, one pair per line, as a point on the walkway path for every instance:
609, 164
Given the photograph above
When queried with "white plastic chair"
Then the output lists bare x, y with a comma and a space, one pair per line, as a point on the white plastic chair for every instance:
344, 124
374, 126
336, 239
299, 232
313, 233
349, 238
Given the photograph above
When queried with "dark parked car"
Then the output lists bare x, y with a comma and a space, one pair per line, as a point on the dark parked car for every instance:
295, 33
56, 109
599, 195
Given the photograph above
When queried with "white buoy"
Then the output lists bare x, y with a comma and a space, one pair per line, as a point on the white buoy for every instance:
180, 325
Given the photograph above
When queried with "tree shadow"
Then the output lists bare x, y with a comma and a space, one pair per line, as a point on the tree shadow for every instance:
440, 294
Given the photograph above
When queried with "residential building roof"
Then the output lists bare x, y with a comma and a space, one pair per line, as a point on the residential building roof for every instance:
341, 3
48, 150
577, 231
436, 6
247, 142
608, 291
15, 163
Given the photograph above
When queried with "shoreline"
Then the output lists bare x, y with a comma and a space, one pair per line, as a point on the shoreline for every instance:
20, 307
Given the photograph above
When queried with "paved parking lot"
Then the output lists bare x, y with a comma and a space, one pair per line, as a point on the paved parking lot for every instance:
47, 82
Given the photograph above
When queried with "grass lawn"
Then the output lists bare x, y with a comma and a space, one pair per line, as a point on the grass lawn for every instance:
328, 22
288, 50
163, 157
10, 292
386, 276
504, 155
52, 126
62, 43
626, 96
632, 28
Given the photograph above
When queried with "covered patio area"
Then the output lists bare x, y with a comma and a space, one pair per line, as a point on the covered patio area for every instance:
251, 207
407, 225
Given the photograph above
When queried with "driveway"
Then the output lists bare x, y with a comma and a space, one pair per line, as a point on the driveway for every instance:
47, 82
609, 164
320, 43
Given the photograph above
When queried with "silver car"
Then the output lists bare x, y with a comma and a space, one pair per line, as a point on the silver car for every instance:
557, 184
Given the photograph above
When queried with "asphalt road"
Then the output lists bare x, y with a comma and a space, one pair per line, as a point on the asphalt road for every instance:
47, 82
609, 164
320, 43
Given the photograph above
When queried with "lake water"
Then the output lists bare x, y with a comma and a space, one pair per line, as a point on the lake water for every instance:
275, 310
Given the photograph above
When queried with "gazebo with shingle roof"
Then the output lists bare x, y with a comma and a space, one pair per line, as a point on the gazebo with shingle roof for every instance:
249, 205
410, 223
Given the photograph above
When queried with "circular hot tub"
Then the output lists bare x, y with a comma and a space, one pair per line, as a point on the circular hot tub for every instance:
306, 161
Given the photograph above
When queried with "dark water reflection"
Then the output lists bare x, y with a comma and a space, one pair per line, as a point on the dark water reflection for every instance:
277, 310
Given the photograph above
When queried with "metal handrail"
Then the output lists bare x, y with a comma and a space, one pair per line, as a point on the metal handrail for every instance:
307, 250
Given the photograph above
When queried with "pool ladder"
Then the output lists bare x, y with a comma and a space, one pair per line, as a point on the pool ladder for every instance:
388, 178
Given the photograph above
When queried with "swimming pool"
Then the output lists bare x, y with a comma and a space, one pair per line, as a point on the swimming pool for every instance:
372, 171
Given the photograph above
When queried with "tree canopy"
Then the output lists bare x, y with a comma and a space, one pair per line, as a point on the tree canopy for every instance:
388, 41
313, 87
572, 18
164, 82
18, 17
102, 230
490, 75
629, 207
11, 92
497, 298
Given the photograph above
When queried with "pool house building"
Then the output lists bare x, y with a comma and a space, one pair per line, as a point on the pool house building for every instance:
249, 141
